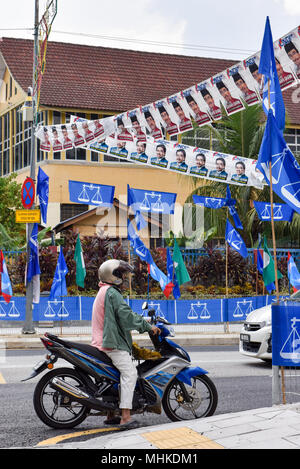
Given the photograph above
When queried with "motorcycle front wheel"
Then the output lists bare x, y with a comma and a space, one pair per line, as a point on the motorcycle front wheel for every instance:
55, 409
202, 402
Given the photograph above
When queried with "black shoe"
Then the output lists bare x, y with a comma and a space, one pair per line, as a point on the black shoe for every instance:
112, 421
129, 425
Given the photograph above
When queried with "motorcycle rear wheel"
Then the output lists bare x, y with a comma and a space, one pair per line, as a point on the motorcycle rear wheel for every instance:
55, 409
203, 394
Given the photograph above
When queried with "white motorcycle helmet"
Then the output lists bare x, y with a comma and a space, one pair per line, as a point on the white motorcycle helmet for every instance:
112, 271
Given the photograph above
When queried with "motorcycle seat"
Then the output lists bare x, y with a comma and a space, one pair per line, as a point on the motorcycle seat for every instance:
85, 348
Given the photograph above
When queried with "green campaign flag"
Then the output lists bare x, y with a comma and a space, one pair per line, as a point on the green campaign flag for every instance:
269, 268
180, 269
80, 266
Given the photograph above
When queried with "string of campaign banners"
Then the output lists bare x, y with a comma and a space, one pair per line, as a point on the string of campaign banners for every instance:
202, 103
195, 311
185, 160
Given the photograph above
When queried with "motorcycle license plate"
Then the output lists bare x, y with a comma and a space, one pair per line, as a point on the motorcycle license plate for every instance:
245, 337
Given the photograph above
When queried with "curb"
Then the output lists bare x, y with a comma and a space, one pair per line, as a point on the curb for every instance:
33, 341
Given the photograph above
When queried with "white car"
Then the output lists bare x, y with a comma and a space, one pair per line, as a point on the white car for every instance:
256, 334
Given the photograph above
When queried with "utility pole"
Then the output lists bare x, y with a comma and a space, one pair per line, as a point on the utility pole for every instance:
28, 326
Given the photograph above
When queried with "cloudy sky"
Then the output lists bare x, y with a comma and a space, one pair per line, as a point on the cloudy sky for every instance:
230, 29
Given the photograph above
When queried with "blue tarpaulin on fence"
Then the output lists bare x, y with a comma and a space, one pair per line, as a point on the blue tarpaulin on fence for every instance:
196, 311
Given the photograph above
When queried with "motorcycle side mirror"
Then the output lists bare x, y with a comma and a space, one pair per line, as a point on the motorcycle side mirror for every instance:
145, 305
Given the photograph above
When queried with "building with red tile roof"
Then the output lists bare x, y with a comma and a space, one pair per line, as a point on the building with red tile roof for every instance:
95, 82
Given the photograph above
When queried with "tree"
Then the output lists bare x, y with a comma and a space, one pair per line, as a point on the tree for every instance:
241, 134
12, 234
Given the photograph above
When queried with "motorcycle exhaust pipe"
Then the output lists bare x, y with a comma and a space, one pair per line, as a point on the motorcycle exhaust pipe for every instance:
80, 396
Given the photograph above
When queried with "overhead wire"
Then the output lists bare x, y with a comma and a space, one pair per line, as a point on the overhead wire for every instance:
158, 43
195, 47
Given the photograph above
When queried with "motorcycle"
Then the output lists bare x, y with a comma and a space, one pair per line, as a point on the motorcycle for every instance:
65, 397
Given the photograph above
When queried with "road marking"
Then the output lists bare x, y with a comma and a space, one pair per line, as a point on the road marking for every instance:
180, 438
60, 438
2, 380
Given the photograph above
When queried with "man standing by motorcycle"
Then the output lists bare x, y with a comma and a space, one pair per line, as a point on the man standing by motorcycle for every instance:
112, 323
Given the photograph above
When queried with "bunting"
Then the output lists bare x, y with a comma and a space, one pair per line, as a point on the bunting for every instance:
201, 103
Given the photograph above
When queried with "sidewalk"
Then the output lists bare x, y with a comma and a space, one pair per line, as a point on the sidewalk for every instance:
276, 427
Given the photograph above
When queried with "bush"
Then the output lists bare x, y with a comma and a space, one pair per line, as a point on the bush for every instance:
208, 275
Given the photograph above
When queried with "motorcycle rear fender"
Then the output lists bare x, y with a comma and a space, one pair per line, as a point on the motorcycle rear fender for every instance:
187, 373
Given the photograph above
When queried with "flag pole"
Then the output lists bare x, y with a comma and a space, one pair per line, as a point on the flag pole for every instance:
226, 271
275, 369
28, 327
272, 215
226, 257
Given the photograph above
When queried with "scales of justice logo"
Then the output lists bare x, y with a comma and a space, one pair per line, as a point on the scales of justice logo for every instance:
291, 347
90, 193
290, 190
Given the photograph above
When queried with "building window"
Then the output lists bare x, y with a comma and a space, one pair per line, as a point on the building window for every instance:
6, 144
71, 210
292, 138
76, 154
17, 158
201, 137
26, 144
56, 118
94, 156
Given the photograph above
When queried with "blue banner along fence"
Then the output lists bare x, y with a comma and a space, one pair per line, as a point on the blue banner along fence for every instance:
195, 311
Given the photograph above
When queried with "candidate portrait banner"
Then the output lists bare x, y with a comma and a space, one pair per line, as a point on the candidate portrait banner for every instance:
91, 194
184, 159
76, 134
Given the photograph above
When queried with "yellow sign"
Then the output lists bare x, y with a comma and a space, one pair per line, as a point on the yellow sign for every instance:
28, 216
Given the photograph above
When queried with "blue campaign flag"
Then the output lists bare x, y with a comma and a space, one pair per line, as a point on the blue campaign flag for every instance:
285, 169
293, 273
272, 90
281, 212
172, 275
33, 267
59, 287
132, 202
137, 244
144, 254
42, 191
260, 262
232, 210
91, 194
234, 239
217, 202
209, 202
149, 201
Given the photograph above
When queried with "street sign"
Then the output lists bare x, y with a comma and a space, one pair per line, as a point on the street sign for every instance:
28, 216
28, 193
